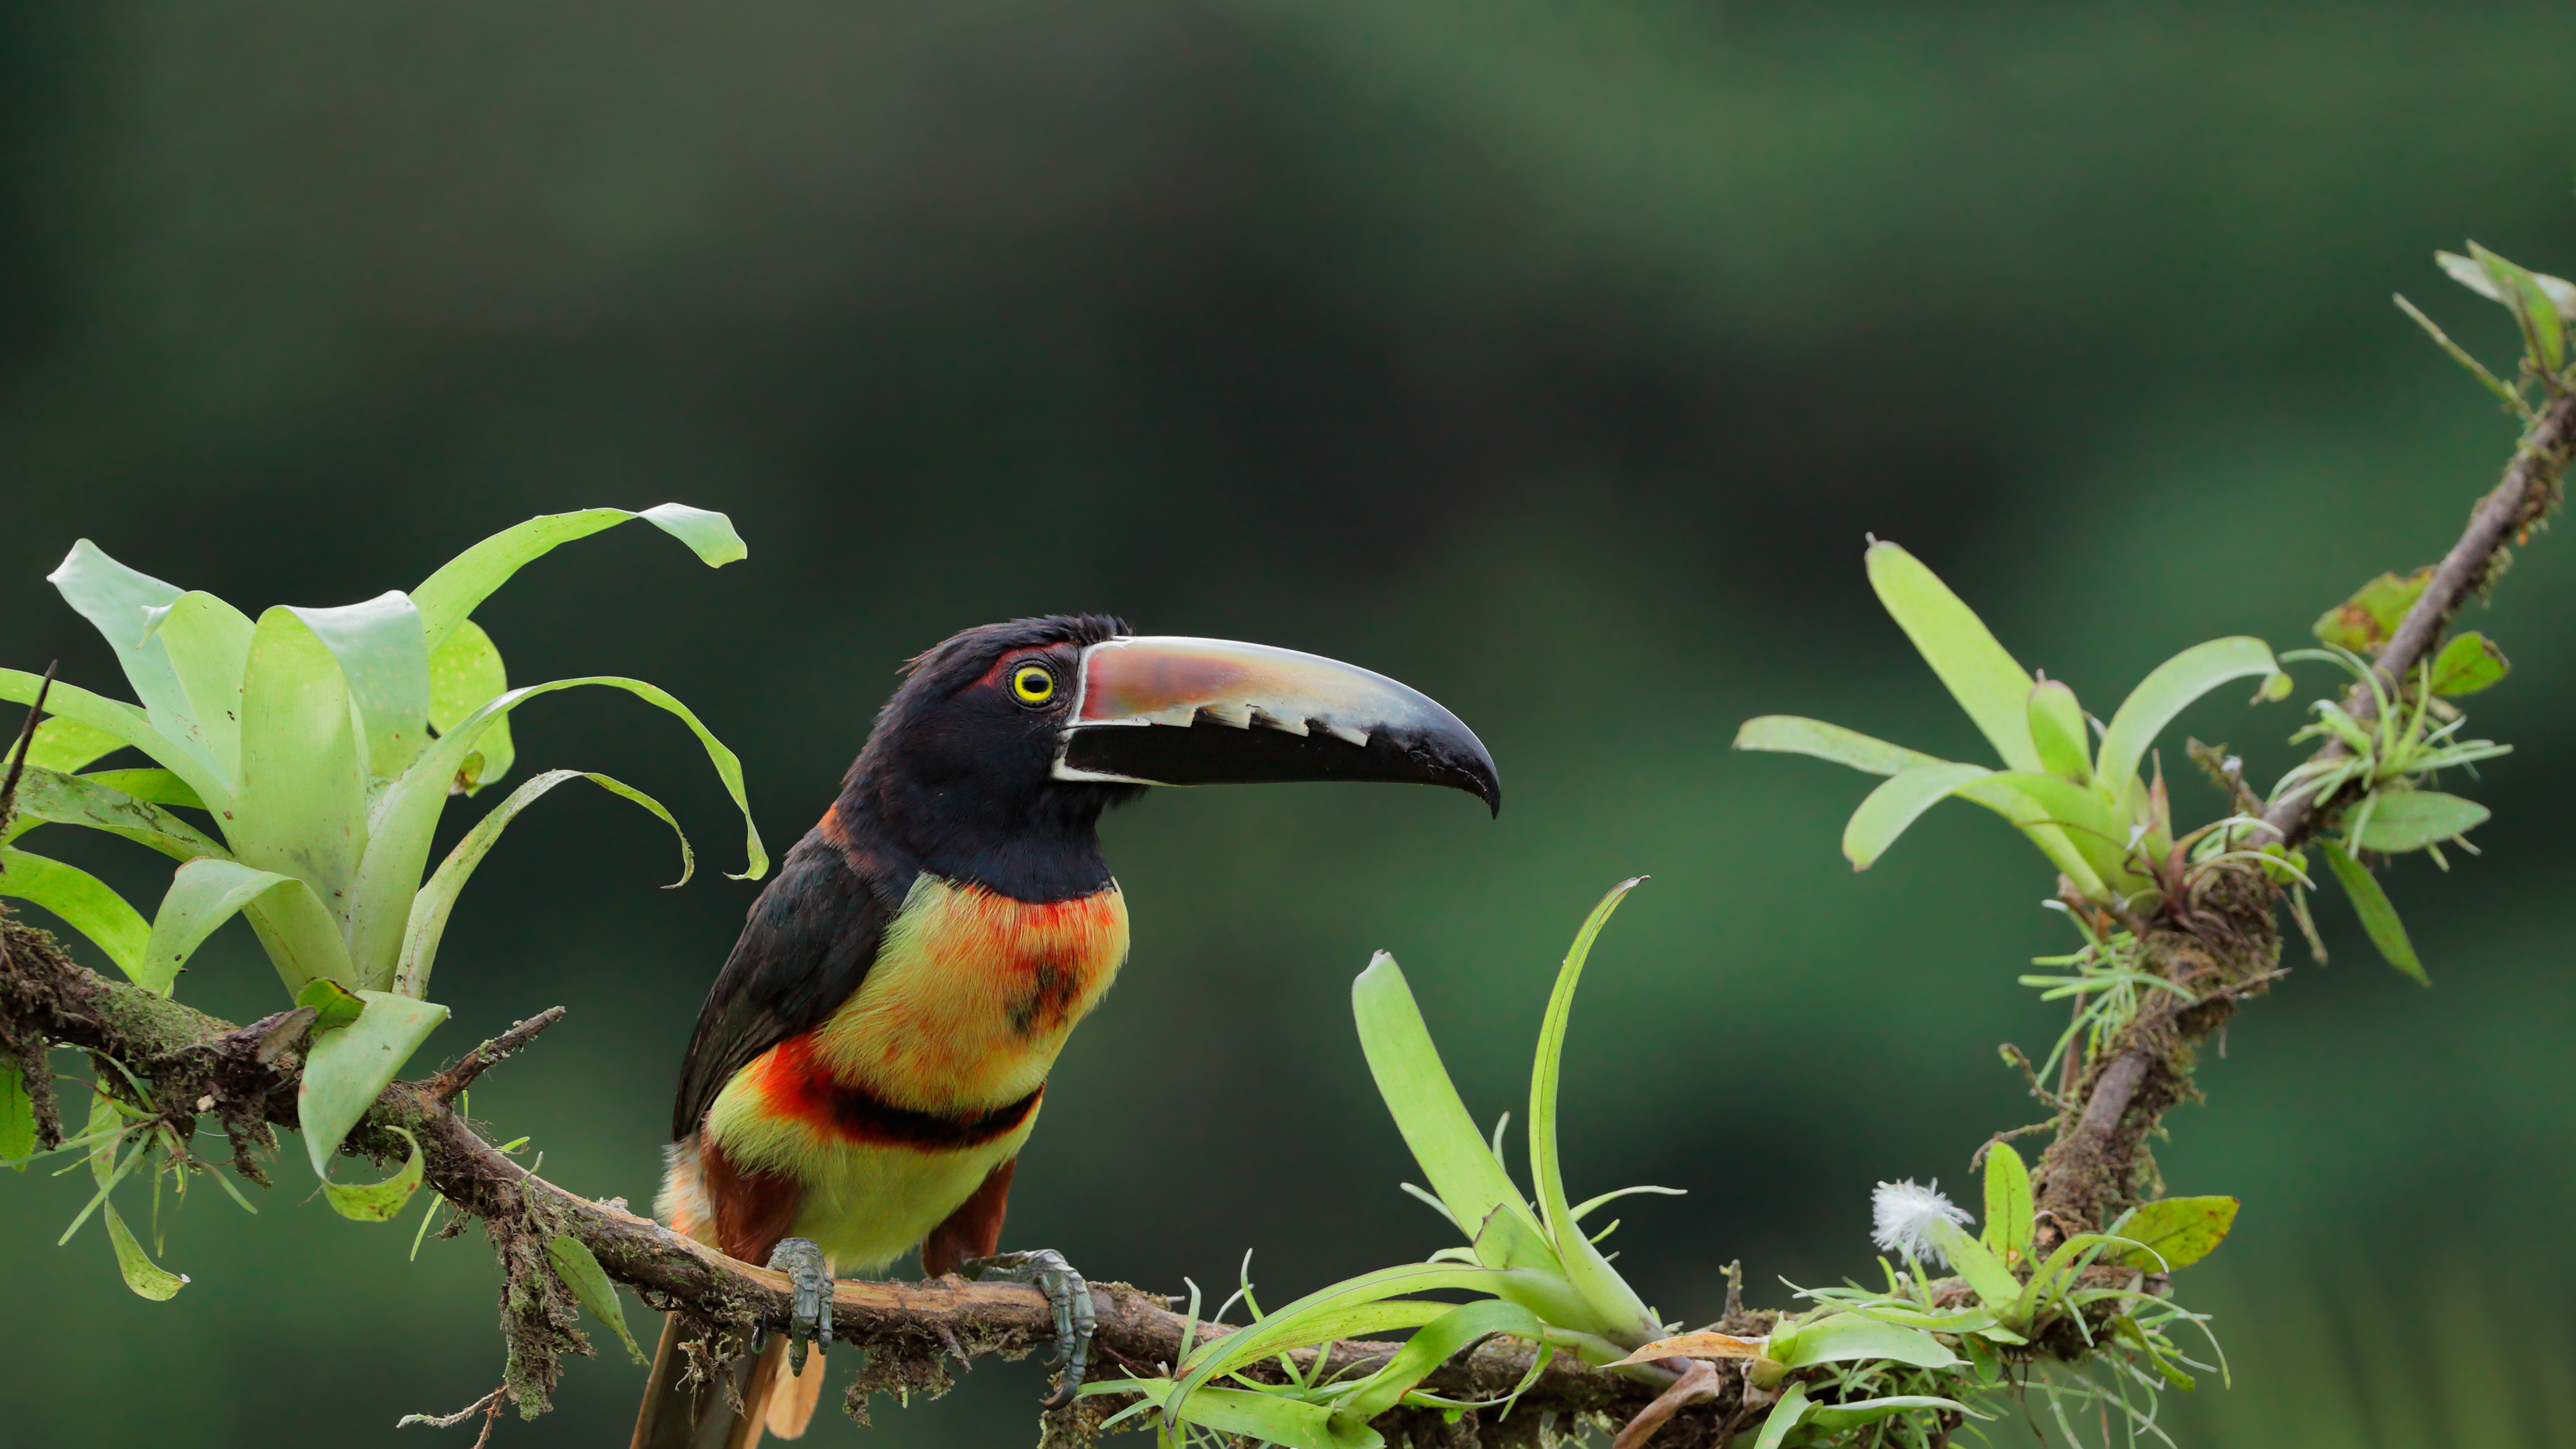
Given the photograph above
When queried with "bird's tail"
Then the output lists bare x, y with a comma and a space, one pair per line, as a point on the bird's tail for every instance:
680, 1415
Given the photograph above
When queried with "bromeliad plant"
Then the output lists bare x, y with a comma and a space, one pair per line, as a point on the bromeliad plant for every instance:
1533, 1272
321, 746
2109, 832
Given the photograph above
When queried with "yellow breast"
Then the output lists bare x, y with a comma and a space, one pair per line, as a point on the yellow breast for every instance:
972, 995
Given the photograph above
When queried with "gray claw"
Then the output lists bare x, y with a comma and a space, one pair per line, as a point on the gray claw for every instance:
809, 1313
1047, 1271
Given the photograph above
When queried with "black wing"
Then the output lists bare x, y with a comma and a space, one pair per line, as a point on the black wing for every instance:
806, 945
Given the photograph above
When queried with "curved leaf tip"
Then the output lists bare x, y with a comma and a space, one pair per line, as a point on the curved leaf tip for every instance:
709, 533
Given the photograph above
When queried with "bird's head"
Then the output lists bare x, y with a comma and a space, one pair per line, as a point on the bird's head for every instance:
1036, 725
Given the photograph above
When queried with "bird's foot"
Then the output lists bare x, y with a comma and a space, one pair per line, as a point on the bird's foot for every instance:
1046, 1270
809, 1311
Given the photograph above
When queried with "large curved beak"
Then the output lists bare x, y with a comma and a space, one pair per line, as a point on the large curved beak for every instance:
1174, 711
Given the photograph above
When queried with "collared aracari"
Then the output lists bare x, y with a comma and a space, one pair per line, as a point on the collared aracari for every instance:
875, 1050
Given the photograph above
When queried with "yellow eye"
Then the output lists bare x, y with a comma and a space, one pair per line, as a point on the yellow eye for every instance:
1033, 684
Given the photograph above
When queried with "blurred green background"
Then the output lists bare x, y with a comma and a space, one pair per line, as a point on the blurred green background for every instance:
1552, 358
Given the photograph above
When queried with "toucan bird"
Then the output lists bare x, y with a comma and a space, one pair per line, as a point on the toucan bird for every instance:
876, 1048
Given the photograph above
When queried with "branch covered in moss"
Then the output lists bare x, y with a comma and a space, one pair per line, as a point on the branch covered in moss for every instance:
2222, 941
190, 1063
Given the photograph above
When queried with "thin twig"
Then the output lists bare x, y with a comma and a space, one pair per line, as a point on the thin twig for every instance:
444, 1087
18, 752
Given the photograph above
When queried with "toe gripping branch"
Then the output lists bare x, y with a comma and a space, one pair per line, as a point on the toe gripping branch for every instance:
1046, 1270
809, 1312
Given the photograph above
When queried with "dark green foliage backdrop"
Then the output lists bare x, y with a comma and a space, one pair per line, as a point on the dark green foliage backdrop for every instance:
1552, 358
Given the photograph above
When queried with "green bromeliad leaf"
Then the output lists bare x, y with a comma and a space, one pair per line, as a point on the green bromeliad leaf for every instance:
2057, 730
50, 797
1425, 1105
376, 1202
432, 903
446, 597
64, 745
1618, 1313
84, 903
1789, 734
1981, 676
2166, 692
345, 1069
579, 1268
385, 669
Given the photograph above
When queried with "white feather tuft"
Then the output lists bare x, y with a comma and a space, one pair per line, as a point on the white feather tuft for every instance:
1902, 1215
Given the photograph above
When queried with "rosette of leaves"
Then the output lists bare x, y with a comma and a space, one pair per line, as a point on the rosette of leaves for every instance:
318, 748
2108, 831
2013, 1297
1530, 1269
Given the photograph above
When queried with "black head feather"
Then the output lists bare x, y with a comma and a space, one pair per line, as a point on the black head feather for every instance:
959, 775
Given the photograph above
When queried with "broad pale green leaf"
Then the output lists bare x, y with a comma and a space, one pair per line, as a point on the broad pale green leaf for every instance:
1784, 1417
2164, 693
385, 667
1621, 1315
407, 817
1789, 734
1897, 804
117, 718
2058, 732
431, 905
1995, 1285
1433, 1345
17, 1117
2468, 273
2366, 620
1425, 1105
1832, 1417
465, 672
1845, 1337
2180, 1230
1255, 1417
1994, 690
49, 797
2009, 1221
84, 904
2403, 820
152, 787
208, 645
2378, 916
114, 599
64, 745
376, 1202
203, 894
2533, 306
2469, 663
302, 805
447, 596
345, 1069
575, 1264
147, 1278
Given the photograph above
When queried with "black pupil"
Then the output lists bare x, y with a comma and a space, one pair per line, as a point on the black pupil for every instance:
1033, 682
